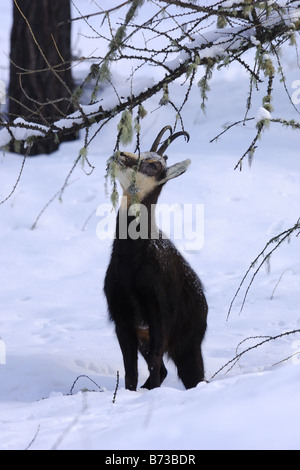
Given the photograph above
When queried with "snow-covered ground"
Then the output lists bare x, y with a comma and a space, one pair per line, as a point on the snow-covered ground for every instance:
53, 312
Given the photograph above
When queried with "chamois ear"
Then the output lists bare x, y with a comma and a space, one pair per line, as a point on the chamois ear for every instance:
176, 170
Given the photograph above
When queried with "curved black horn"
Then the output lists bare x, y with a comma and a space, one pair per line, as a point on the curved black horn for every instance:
159, 136
168, 141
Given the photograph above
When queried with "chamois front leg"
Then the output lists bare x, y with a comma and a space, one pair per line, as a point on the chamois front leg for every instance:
129, 346
163, 375
156, 366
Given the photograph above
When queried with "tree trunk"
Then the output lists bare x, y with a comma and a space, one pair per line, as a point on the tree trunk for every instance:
41, 82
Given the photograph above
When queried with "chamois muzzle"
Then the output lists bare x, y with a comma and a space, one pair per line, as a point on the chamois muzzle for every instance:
127, 159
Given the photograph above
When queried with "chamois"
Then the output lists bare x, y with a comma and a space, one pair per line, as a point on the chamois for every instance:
154, 297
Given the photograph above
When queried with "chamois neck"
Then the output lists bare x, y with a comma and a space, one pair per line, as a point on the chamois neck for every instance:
137, 221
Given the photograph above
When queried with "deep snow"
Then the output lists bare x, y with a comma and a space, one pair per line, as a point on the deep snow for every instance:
53, 312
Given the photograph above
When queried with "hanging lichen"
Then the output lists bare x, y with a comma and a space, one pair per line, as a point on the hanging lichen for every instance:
111, 173
125, 128
203, 83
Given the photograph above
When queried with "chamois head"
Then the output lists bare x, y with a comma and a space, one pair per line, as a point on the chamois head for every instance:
146, 173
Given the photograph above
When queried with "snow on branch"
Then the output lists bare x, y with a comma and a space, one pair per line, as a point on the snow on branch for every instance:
20, 130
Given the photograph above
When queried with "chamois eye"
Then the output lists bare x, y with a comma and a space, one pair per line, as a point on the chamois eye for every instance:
152, 168
153, 165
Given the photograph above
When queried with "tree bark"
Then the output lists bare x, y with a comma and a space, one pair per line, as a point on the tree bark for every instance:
41, 81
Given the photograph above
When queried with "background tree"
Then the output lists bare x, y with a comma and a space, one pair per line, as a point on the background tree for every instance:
40, 73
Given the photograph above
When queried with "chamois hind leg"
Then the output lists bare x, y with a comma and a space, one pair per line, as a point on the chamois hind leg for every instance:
190, 366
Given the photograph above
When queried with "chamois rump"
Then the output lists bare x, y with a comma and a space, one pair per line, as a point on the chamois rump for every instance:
154, 297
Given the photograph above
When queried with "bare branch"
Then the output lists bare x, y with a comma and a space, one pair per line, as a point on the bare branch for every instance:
277, 240
230, 364
92, 15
